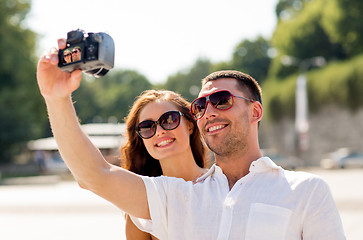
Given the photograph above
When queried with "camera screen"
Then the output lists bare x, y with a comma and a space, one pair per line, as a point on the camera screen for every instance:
72, 54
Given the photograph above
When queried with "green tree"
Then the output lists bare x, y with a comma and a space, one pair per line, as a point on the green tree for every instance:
21, 117
85, 100
343, 21
188, 83
252, 57
286, 9
109, 96
302, 37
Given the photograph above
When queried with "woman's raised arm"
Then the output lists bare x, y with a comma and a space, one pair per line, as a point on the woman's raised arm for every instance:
124, 189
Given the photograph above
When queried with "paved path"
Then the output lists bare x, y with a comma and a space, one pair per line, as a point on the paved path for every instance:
59, 211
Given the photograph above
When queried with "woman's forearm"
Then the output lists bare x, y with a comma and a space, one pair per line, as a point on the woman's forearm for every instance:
121, 187
81, 156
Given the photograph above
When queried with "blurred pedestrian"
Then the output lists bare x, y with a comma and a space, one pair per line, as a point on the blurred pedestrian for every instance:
40, 158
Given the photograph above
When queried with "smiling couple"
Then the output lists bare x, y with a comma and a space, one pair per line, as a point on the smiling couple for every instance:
244, 195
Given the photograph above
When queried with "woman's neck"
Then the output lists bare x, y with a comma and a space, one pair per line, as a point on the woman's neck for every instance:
183, 166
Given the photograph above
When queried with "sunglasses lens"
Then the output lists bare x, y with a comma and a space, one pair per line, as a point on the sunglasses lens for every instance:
146, 129
198, 107
169, 120
221, 100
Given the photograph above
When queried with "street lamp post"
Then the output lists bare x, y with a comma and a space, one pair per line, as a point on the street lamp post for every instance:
301, 113
301, 98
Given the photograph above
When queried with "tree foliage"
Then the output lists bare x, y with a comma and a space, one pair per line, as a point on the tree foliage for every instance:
343, 21
338, 83
252, 57
108, 97
306, 28
309, 28
21, 117
303, 36
286, 9
188, 83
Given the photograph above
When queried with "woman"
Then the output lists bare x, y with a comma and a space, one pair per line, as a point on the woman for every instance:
67, 56
123, 188
162, 139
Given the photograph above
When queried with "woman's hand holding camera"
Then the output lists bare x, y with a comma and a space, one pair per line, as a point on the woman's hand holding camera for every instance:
54, 83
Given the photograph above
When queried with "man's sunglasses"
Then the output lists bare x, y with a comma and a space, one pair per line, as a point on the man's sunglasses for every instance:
168, 121
221, 100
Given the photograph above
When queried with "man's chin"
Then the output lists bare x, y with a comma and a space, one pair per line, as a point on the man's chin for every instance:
217, 148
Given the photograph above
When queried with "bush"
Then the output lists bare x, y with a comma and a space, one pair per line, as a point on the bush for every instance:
338, 83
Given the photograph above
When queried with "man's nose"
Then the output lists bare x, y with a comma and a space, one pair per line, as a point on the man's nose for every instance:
210, 111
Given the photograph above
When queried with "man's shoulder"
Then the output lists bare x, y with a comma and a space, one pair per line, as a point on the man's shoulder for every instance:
302, 178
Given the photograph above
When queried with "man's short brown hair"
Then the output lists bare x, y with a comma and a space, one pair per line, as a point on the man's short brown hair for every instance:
244, 80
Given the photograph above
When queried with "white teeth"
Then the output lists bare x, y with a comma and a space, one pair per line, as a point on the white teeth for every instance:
163, 143
215, 128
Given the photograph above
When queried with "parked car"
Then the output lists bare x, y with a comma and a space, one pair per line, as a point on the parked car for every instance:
342, 158
286, 162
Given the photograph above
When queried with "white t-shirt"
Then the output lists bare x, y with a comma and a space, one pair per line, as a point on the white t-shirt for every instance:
268, 203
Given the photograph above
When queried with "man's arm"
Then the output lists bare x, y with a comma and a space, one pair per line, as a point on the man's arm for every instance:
321, 217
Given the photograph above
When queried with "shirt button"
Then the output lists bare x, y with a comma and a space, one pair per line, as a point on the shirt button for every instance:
228, 203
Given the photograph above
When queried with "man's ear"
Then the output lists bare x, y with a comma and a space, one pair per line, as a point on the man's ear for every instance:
257, 112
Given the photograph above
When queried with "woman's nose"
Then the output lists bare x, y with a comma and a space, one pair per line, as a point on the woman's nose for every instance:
159, 130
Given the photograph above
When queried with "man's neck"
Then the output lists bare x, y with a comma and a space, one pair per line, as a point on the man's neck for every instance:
236, 168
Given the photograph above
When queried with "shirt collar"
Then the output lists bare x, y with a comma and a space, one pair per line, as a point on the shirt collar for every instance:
263, 164
260, 165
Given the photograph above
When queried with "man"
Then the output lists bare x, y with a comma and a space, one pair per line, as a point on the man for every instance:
242, 196
76, 54
232, 134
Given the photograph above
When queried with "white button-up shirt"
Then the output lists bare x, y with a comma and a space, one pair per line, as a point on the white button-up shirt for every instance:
268, 203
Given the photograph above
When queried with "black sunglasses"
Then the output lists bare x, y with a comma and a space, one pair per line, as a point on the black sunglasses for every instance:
168, 121
221, 100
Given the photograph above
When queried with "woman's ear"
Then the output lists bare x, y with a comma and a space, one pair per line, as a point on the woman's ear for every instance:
190, 127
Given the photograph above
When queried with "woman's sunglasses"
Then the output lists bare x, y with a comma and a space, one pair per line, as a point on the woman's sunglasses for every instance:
221, 100
168, 121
